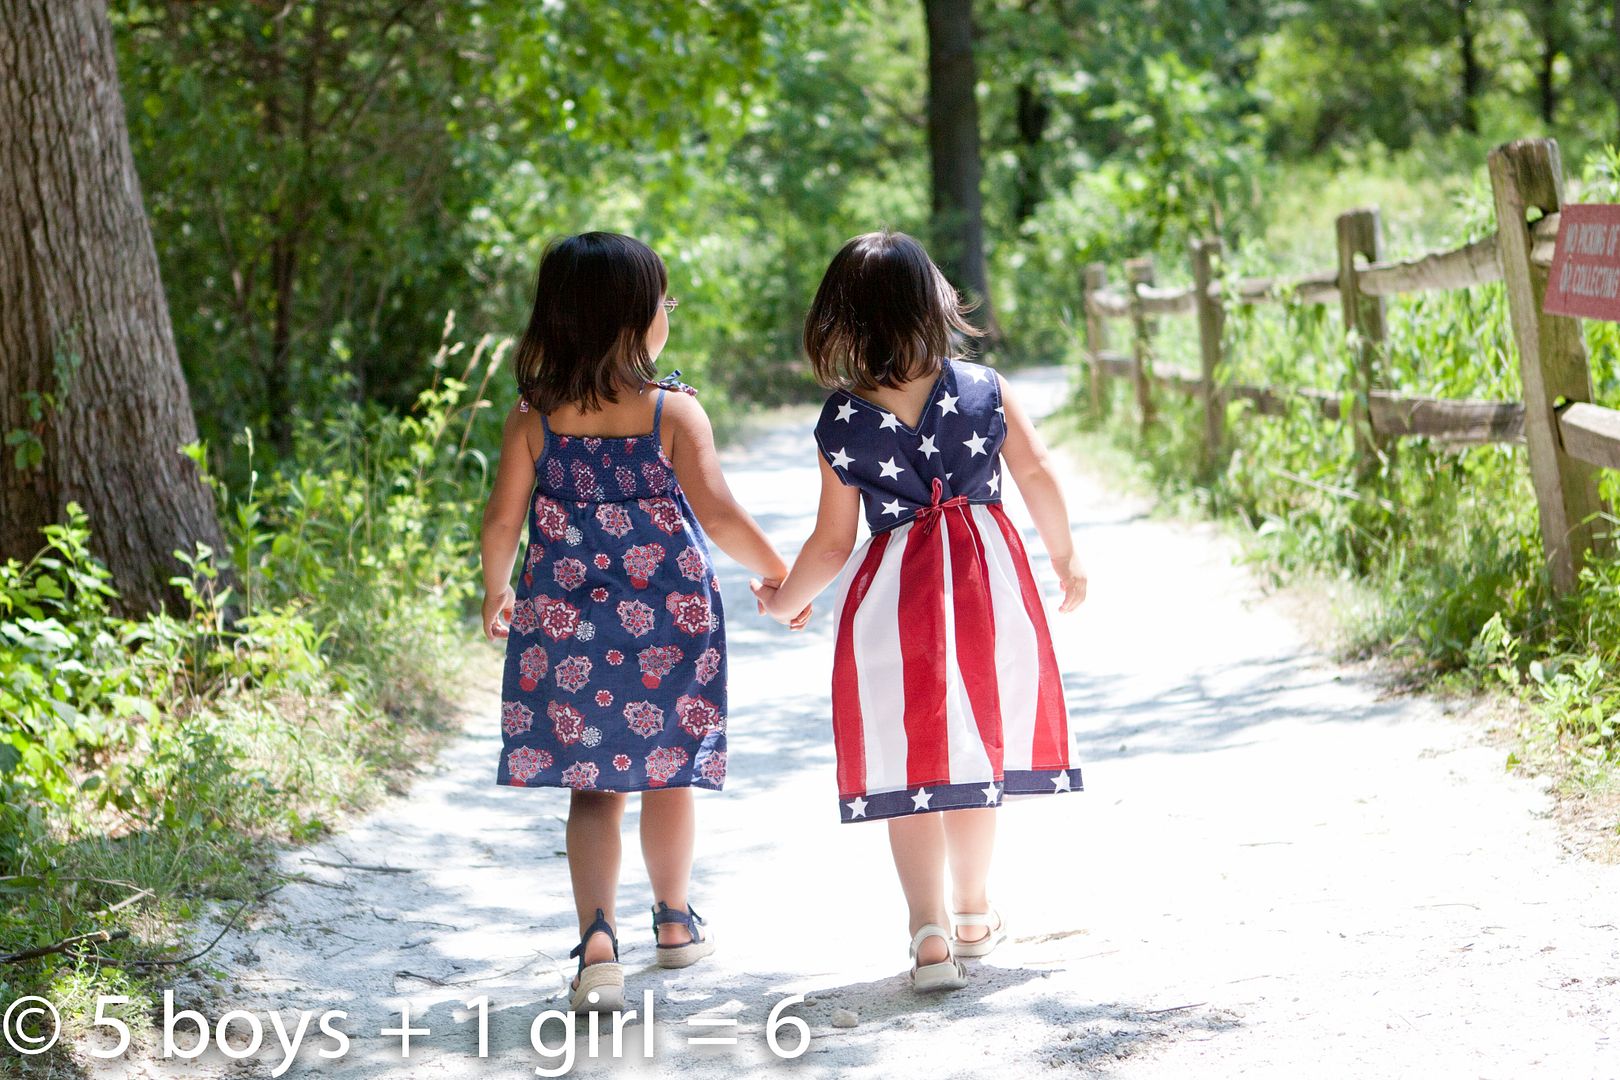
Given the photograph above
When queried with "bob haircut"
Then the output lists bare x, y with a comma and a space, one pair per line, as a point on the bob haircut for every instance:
883, 316
596, 295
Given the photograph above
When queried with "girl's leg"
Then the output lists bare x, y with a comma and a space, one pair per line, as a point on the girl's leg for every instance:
668, 828
918, 844
593, 862
970, 837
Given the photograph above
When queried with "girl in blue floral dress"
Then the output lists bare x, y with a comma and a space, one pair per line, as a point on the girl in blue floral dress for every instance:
615, 676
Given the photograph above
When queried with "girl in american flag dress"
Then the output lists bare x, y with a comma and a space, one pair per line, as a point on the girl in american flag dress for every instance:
946, 695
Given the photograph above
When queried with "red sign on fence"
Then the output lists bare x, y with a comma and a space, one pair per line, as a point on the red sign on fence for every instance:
1585, 277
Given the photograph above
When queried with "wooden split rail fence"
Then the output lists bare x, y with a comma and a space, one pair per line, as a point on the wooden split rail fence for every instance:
1567, 436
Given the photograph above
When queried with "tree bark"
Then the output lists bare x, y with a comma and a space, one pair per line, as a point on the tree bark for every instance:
1470, 68
83, 315
1032, 114
954, 153
1551, 45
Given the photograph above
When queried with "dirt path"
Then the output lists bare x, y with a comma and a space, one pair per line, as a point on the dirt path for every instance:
1274, 872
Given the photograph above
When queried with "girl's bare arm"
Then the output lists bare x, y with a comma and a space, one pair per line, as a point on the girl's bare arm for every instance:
1031, 468
697, 467
824, 553
504, 517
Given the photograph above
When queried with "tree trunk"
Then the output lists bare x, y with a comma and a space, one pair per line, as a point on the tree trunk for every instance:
1032, 116
953, 153
82, 313
1551, 46
1470, 68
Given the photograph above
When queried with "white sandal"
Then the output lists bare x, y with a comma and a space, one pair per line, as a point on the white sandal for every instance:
983, 946
948, 974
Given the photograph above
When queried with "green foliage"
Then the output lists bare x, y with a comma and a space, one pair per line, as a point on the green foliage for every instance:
1445, 538
327, 180
1193, 152
165, 753
1187, 169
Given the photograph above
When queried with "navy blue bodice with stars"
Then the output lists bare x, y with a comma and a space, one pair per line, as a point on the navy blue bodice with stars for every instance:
957, 441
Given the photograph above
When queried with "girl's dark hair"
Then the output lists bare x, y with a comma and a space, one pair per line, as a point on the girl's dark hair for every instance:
884, 315
596, 295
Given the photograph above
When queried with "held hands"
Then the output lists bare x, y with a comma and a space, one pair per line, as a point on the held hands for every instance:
1072, 576
498, 613
765, 596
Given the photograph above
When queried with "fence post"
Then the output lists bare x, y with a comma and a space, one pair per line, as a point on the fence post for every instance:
1140, 272
1359, 234
1553, 367
1211, 322
1095, 280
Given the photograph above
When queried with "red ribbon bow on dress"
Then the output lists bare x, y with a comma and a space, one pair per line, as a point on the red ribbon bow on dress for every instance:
928, 516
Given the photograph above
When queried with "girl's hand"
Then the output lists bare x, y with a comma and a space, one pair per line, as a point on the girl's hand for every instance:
765, 596
498, 613
1072, 576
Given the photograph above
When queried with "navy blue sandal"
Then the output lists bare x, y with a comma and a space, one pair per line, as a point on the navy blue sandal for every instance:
598, 987
679, 956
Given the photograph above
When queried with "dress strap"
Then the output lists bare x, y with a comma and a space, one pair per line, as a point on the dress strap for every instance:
524, 406
658, 411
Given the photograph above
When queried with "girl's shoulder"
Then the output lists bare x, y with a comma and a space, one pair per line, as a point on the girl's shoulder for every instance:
977, 388
836, 414
682, 411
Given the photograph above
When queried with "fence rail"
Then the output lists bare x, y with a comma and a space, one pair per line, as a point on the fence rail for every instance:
1567, 436
1476, 263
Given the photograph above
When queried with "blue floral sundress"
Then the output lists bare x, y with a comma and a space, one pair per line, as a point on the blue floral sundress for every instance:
616, 663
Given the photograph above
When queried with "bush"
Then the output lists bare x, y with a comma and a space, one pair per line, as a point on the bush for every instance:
161, 757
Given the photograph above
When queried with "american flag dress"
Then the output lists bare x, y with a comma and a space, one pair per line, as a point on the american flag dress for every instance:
946, 693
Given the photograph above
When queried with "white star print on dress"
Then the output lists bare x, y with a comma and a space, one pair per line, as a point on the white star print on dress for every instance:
947, 404
975, 444
889, 468
890, 422
857, 808
841, 460
928, 449
990, 793
892, 507
846, 410
995, 483
919, 801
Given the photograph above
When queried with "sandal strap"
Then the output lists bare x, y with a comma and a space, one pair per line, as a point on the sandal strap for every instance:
689, 918
968, 919
599, 925
930, 930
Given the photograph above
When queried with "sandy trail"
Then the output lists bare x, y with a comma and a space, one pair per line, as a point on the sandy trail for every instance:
1274, 871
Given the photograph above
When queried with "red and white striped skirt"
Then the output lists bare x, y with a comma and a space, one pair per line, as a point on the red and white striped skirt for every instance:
946, 693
